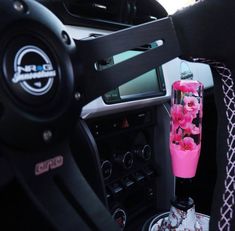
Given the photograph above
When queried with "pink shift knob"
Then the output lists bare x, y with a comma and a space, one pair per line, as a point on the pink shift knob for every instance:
186, 127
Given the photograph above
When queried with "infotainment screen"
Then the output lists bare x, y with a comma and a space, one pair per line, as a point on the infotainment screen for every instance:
149, 84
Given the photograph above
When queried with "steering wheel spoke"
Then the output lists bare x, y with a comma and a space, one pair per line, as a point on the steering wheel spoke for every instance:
97, 72
53, 181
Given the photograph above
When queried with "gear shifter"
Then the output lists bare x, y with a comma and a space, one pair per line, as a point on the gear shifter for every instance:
185, 134
185, 146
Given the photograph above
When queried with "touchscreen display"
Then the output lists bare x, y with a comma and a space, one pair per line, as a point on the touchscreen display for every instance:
146, 85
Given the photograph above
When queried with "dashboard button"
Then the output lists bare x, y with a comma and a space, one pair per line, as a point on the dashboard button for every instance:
115, 188
138, 176
127, 182
148, 171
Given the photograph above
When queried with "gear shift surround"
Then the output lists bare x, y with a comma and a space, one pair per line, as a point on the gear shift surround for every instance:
178, 220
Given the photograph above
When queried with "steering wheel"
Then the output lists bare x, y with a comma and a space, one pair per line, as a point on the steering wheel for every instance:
47, 77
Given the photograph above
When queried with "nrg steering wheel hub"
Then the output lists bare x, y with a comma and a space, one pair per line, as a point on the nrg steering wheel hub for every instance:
31, 73
36, 78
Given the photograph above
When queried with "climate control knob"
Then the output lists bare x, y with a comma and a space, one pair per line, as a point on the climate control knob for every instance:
125, 160
119, 215
144, 152
106, 168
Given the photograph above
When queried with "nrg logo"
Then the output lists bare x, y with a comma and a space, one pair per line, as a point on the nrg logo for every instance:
45, 68
33, 71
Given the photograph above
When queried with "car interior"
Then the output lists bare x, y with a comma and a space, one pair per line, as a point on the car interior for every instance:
85, 112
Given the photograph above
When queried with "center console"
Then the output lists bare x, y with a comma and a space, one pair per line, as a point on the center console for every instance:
125, 144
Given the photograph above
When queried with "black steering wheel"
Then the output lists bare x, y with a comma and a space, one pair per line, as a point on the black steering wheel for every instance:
47, 77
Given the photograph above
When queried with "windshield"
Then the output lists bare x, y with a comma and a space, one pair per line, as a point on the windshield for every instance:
173, 5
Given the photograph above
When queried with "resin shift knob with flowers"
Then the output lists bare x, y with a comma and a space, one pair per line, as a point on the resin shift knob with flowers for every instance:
185, 146
185, 134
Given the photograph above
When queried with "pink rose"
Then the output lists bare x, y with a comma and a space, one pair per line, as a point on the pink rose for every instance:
186, 86
177, 115
188, 117
191, 105
190, 128
176, 136
187, 144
